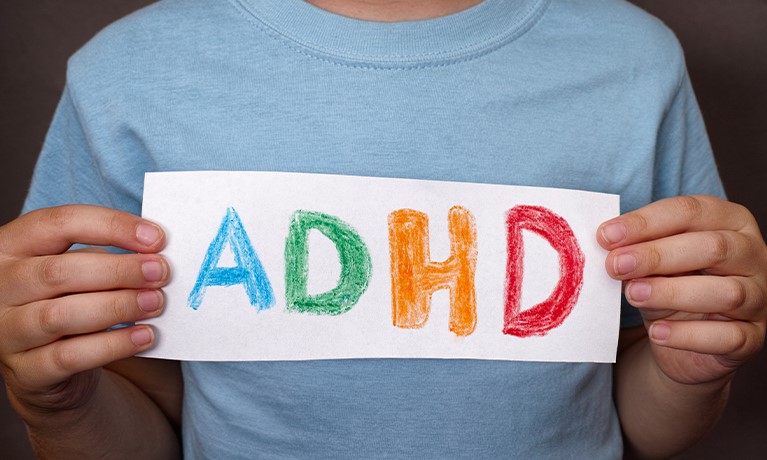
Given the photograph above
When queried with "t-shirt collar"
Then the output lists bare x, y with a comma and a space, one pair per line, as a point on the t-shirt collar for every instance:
455, 37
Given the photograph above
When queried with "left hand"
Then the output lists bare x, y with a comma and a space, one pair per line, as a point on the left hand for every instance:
696, 268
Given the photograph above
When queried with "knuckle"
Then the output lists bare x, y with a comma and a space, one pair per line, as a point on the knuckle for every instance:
641, 223
117, 308
742, 211
113, 272
121, 270
114, 224
112, 349
739, 341
16, 274
52, 271
690, 206
743, 217
734, 294
52, 318
672, 294
638, 223
653, 258
718, 248
64, 358
59, 216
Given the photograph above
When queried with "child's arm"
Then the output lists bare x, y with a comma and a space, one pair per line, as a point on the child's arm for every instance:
696, 267
54, 309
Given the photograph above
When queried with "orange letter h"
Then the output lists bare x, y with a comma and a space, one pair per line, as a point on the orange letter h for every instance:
415, 277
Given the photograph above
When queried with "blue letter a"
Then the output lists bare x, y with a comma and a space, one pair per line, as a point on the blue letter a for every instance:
248, 270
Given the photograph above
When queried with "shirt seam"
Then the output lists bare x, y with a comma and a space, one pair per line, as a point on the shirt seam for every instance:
531, 17
70, 92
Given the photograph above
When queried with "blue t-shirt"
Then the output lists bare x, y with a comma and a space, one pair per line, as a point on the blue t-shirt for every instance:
583, 94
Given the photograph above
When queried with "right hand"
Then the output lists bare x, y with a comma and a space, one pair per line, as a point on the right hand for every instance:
56, 305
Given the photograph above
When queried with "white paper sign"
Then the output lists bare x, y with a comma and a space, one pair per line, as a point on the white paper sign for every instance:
285, 266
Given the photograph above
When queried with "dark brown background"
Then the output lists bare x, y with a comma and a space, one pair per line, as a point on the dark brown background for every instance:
726, 47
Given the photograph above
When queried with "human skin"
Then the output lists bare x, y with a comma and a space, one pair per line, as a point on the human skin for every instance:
69, 379
696, 269
62, 370
394, 10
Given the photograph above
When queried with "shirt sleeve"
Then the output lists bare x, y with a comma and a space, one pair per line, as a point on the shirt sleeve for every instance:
684, 165
67, 171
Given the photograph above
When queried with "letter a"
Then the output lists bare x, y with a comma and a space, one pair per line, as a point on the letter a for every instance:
541, 318
356, 267
415, 277
248, 270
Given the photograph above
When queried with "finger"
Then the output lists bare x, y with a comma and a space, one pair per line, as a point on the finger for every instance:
672, 216
719, 253
732, 297
46, 321
56, 362
54, 230
735, 340
47, 277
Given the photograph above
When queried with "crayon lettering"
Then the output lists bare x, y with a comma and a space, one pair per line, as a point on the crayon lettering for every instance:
356, 268
248, 270
414, 276
545, 316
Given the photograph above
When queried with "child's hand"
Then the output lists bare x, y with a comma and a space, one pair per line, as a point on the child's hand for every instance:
696, 267
55, 305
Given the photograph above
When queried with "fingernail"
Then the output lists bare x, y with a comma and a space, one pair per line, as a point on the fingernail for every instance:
624, 264
639, 291
148, 234
141, 337
153, 271
149, 301
614, 233
660, 332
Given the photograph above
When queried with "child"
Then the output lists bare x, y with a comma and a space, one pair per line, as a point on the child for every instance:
583, 94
